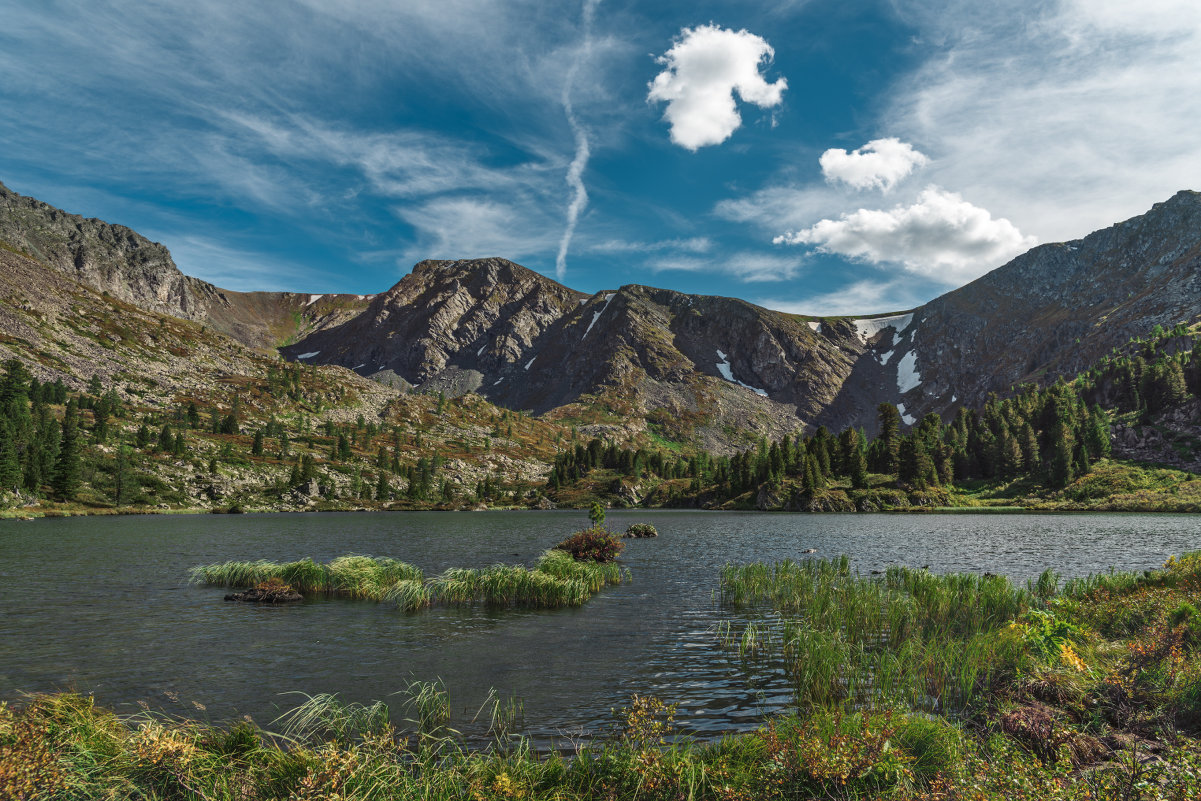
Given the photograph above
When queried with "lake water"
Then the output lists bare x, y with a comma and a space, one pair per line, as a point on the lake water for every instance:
102, 605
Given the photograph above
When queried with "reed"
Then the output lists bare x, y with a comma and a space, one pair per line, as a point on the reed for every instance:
556, 581
359, 577
930, 641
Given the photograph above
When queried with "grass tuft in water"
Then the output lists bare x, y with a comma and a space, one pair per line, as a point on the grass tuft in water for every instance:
556, 581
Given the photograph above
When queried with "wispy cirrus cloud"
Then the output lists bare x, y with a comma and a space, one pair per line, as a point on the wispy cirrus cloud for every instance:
745, 266
1063, 116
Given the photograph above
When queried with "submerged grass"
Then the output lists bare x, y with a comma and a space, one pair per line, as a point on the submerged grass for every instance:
556, 581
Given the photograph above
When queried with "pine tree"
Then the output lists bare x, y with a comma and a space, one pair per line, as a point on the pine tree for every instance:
10, 466
67, 467
889, 438
256, 447
383, 489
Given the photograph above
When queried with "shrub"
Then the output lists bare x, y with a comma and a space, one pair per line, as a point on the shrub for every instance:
592, 545
640, 530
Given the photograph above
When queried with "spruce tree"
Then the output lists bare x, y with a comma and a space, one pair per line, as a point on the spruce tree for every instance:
256, 447
67, 467
10, 466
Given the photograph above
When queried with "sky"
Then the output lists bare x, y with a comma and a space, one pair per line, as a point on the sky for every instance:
813, 156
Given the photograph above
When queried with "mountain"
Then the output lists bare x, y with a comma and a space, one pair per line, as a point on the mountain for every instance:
1058, 308
695, 367
639, 362
126, 265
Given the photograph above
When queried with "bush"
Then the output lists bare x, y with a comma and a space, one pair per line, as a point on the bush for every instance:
592, 545
640, 530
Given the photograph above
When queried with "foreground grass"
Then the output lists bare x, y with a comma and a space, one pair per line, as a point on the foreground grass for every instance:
1097, 696
556, 581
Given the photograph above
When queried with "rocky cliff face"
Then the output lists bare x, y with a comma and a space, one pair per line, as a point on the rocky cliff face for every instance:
1058, 308
128, 266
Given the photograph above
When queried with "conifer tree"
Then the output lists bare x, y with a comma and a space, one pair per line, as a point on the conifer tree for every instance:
67, 467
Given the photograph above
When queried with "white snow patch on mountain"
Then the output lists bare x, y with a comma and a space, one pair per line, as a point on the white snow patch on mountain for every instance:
907, 375
596, 315
884, 357
313, 299
531, 361
723, 367
908, 419
308, 355
866, 329
816, 326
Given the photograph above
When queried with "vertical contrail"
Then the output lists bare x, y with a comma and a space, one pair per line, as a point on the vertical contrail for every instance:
575, 171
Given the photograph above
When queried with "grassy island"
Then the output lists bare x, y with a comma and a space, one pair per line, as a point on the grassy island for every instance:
557, 580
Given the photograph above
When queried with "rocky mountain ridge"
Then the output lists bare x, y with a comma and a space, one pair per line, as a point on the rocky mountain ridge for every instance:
714, 371
126, 265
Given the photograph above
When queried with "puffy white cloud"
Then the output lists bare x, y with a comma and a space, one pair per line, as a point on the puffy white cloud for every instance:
879, 164
703, 69
940, 236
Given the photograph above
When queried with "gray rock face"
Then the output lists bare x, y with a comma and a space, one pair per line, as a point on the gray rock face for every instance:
128, 266
1058, 308
111, 258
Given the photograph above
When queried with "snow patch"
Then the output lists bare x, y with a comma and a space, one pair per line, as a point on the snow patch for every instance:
308, 355
723, 367
313, 299
954, 398
531, 361
364, 364
481, 350
907, 375
816, 326
886, 356
866, 329
908, 419
596, 315
497, 381
896, 339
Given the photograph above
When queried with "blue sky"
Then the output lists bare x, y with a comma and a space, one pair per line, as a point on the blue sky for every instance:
813, 156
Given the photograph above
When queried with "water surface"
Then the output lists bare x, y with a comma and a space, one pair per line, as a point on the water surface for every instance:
102, 605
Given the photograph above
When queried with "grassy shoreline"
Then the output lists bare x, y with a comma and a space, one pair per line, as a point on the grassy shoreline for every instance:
1093, 691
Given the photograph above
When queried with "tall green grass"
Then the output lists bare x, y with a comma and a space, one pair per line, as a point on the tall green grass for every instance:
556, 581
910, 636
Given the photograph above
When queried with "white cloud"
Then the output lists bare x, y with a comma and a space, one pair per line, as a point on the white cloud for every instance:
466, 228
696, 244
868, 296
940, 236
879, 164
705, 66
1064, 116
749, 267
575, 170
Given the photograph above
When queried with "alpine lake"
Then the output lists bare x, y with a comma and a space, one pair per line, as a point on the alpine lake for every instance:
103, 606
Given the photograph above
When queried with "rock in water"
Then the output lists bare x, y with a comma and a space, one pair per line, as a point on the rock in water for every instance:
268, 592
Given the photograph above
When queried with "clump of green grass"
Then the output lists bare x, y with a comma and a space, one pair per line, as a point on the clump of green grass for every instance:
930, 641
556, 581
359, 577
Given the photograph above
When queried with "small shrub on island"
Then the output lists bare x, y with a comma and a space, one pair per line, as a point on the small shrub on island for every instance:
592, 545
640, 531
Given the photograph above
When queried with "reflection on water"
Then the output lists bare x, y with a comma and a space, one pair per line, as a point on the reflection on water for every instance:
102, 605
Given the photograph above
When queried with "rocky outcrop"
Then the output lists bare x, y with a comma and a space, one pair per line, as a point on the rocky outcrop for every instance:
124, 264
